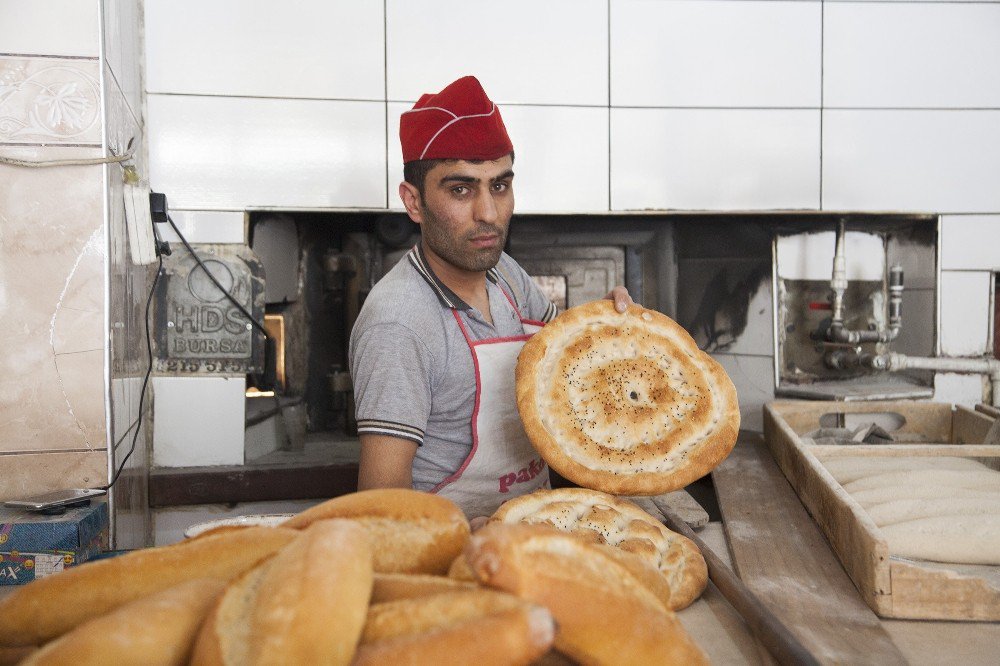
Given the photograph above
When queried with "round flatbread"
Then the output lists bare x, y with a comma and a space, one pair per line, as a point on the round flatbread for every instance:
625, 402
615, 522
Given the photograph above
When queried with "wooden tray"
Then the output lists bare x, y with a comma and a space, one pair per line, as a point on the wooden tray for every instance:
891, 586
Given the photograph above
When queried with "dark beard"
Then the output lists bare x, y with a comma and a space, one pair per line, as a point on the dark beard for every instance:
453, 251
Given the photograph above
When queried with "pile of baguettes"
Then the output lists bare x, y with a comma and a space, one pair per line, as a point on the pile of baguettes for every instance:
376, 577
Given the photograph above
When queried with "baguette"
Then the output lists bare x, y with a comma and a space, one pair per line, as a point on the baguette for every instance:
391, 587
158, 630
305, 605
478, 626
604, 614
49, 607
461, 571
413, 532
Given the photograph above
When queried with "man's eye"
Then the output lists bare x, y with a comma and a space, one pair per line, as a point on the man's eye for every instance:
501, 187
460, 190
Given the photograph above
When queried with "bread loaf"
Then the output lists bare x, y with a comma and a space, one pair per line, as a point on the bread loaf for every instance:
668, 564
461, 571
412, 532
158, 630
477, 626
49, 607
391, 587
305, 605
604, 615
624, 402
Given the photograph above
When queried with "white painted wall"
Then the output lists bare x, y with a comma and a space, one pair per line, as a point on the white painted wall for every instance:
613, 105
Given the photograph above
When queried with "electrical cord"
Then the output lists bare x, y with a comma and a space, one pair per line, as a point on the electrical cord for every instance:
256, 324
149, 343
86, 161
126, 433
145, 381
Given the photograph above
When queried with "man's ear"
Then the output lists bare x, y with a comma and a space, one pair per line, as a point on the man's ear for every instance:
410, 196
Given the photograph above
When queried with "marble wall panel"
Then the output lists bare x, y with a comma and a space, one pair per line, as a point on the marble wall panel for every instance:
29, 474
52, 252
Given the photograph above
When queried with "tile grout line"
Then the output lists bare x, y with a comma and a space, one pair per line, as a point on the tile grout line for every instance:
822, 112
609, 104
385, 91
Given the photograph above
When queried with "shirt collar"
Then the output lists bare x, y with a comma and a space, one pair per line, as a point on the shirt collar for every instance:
447, 297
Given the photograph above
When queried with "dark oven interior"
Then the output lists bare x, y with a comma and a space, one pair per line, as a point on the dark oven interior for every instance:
712, 273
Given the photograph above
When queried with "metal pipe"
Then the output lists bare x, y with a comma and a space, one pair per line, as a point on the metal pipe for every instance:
839, 277
838, 332
893, 362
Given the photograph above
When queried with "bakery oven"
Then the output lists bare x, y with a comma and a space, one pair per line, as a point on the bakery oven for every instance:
745, 286
319, 269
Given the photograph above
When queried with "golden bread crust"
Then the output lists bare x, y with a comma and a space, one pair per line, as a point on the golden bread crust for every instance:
669, 564
49, 607
625, 402
603, 614
305, 605
158, 630
474, 626
413, 532
395, 586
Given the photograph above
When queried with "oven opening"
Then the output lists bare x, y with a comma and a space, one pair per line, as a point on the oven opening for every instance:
747, 287
320, 267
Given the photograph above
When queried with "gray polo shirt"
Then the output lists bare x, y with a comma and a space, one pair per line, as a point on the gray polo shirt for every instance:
411, 366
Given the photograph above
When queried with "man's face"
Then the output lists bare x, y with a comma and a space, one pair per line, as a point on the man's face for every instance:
466, 210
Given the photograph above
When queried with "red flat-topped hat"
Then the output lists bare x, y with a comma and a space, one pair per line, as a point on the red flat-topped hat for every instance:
460, 122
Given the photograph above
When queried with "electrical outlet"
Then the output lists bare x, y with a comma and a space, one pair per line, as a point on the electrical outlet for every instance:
139, 223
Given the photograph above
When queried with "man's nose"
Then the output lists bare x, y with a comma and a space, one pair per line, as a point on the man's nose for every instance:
486, 207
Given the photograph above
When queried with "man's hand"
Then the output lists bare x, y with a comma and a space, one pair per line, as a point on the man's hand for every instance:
621, 298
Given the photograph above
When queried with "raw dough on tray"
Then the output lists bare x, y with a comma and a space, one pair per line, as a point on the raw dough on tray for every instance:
901, 511
930, 508
960, 539
846, 470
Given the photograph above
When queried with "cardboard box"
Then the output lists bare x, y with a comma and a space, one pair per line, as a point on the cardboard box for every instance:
33, 545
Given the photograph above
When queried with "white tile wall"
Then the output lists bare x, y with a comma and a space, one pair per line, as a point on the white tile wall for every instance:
753, 377
198, 421
54, 27
235, 153
696, 53
523, 51
920, 54
959, 389
941, 161
561, 157
810, 256
970, 242
714, 159
263, 48
200, 226
965, 313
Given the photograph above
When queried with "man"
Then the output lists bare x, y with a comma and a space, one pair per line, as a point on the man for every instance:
434, 348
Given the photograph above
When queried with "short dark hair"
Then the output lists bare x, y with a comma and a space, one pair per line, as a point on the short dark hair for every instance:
415, 172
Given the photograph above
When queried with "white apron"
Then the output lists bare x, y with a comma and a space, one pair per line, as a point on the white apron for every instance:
502, 463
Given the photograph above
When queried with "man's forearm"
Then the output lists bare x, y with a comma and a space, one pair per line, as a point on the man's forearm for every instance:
386, 462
